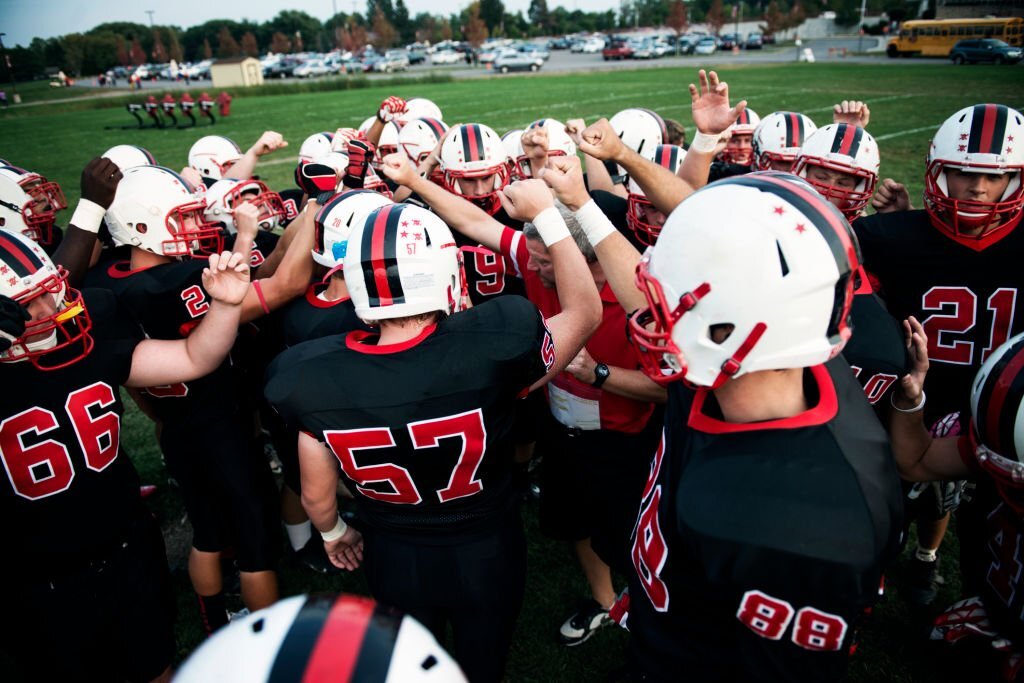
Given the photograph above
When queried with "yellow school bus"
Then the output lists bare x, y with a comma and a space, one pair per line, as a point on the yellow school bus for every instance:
936, 37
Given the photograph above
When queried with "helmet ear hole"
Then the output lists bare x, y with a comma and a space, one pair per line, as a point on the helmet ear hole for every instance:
257, 626
141, 228
429, 663
719, 333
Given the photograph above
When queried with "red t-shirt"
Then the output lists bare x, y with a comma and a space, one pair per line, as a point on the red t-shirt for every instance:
608, 345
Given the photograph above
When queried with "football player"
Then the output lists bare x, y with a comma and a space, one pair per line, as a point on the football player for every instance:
207, 441
215, 157
29, 204
93, 598
963, 281
990, 452
425, 442
841, 161
778, 138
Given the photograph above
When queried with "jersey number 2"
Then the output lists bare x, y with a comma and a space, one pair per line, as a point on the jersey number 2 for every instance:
44, 469
463, 482
958, 313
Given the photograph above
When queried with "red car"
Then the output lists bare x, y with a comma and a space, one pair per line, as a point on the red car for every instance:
617, 49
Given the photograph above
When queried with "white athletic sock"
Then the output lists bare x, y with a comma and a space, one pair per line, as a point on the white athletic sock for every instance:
299, 534
925, 554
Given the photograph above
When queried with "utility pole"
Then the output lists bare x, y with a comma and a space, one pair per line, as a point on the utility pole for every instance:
150, 12
15, 97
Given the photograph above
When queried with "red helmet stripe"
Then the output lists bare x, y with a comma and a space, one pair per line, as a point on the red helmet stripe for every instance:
336, 653
988, 127
847, 140
435, 126
17, 256
472, 143
379, 256
794, 129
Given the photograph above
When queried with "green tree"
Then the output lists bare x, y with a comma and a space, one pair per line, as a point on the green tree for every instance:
492, 12
383, 29
404, 26
540, 16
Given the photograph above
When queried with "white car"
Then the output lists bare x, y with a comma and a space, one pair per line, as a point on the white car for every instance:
706, 46
314, 67
446, 57
592, 45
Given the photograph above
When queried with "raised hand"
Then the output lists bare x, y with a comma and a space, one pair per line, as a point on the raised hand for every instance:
359, 154
535, 144
226, 277
573, 128
524, 199
269, 142
709, 104
314, 178
912, 384
564, 175
891, 196
389, 107
397, 167
100, 178
246, 220
853, 112
600, 141
343, 136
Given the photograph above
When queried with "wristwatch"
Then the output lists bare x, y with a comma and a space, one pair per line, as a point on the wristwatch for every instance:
601, 373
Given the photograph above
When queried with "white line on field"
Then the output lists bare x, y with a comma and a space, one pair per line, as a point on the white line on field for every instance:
909, 131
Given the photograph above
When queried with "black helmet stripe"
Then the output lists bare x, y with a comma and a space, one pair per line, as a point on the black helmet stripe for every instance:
379, 256
378, 646
794, 129
1000, 398
435, 126
988, 127
18, 257
297, 646
472, 143
847, 139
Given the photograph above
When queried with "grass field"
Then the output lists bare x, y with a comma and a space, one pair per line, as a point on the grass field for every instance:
908, 102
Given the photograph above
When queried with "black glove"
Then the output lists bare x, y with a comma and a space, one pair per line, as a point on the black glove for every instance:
359, 154
13, 317
99, 181
315, 178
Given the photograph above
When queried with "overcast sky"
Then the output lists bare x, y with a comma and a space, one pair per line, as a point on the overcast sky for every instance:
22, 20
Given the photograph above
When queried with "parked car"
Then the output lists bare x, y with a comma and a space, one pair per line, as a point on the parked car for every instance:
513, 60
535, 50
560, 44
768, 38
706, 46
391, 63
311, 68
984, 50
283, 68
446, 57
617, 49
592, 45
643, 49
417, 56
487, 55
398, 56
754, 42
728, 41
352, 66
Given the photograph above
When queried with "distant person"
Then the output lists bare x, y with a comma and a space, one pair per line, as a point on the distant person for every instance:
3, 98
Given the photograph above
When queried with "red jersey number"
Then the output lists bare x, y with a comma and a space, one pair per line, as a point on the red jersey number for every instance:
195, 301
426, 434
957, 313
44, 468
490, 270
650, 552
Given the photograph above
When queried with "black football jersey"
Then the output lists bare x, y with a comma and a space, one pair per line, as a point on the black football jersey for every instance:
615, 207
992, 558
965, 299
69, 492
262, 246
422, 430
292, 199
310, 317
169, 301
758, 546
876, 352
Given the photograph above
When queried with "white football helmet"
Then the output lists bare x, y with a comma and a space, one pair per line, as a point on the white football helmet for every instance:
997, 407
419, 108
127, 156
778, 139
29, 203
985, 138
734, 152
387, 144
213, 155
559, 144
766, 255
473, 150
638, 207
403, 261
513, 142
227, 193
334, 221
418, 138
641, 130
321, 639
27, 273
155, 210
847, 149
316, 145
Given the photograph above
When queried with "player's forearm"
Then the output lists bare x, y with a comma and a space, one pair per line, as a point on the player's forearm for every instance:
75, 253
920, 456
633, 384
212, 339
598, 177
373, 135
694, 170
537, 163
618, 258
291, 278
664, 189
244, 167
460, 214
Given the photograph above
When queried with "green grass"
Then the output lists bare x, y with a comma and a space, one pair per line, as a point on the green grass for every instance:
907, 101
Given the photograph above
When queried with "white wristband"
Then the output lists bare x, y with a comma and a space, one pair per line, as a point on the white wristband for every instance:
550, 225
594, 223
704, 142
88, 216
916, 409
337, 532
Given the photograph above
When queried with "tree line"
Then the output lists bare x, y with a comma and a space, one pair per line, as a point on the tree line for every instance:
386, 23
